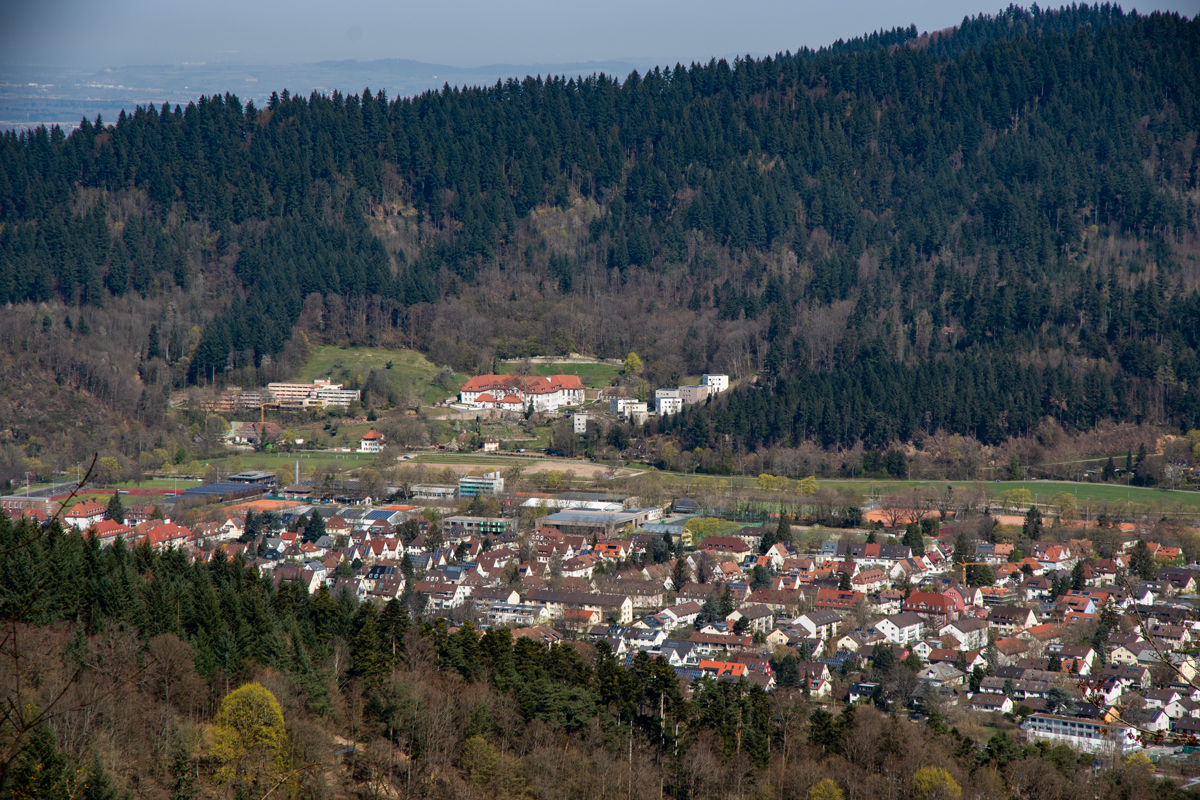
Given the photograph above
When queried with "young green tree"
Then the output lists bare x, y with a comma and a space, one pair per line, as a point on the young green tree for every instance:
248, 739
935, 783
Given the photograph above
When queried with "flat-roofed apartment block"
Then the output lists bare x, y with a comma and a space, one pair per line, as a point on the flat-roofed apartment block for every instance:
1088, 735
480, 526
321, 392
615, 606
489, 483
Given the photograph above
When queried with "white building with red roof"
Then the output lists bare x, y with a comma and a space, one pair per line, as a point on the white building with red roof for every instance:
108, 530
163, 535
517, 393
84, 515
371, 442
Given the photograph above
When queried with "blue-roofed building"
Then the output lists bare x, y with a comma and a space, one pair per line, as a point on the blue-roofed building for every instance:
235, 491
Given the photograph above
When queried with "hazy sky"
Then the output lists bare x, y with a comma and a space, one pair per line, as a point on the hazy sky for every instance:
97, 33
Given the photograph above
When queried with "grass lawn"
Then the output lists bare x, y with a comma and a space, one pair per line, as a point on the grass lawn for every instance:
158, 483
272, 462
594, 376
353, 364
468, 458
102, 499
1042, 491
1093, 494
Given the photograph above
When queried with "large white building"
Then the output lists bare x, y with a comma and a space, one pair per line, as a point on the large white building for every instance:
665, 406
321, 392
1088, 735
533, 391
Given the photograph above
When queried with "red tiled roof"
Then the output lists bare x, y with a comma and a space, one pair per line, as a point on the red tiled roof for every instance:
87, 508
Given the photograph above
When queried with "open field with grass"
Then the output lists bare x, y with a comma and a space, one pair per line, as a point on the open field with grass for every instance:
1042, 491
1095, 495
273, 462
353, 365
594, 376
157, 483
530, 465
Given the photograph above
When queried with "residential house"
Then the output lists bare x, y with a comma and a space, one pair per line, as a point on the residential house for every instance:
1080, 656
644, 594
84, 515
869, 580
971, 632
819, 624
936, 609
1009, 650
726, 547
903, 628
371, 442
106, 531
619, 607
840, 601
985, 701
941, 674
760, 618
1010, 619
709, 643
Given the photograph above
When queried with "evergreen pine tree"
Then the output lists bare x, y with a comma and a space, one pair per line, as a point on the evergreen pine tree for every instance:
251, 527
115, 511
1110, 470
1032, 527
315, 528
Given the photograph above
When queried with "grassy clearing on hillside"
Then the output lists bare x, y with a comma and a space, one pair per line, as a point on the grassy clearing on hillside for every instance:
594, 376
353, 364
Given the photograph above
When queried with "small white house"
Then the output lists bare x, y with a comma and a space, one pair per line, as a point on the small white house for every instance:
371, 442
715, 383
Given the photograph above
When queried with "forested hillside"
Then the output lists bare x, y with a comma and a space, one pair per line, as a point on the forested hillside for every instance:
967, 231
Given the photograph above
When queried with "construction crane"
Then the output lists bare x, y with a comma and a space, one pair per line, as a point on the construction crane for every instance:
963, 569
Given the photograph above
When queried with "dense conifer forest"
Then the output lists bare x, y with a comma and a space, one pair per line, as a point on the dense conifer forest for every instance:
967, 231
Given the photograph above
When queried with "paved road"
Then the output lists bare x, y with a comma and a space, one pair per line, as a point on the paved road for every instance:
48, 491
